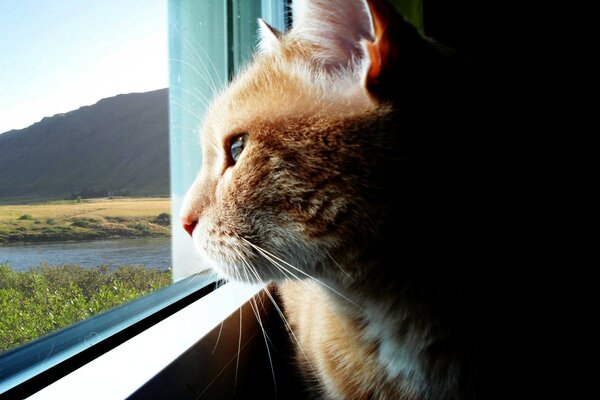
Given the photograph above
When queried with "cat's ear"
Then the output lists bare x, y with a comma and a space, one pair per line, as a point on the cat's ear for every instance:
386, 56
269, 37
336, 30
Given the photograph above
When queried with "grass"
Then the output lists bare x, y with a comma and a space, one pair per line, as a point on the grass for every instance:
45, 299
85, 220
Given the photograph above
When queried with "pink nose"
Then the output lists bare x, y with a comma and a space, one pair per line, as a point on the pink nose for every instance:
189, 226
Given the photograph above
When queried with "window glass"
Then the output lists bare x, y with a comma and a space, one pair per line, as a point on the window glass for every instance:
209, 41
88, 208
85, 219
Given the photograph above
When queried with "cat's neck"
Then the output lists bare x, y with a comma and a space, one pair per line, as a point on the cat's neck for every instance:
412, 337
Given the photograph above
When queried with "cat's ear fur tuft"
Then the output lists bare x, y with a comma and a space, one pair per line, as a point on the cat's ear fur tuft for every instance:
335, 30
365, 36
269, 37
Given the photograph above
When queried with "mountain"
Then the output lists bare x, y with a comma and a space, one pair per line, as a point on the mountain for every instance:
118, 144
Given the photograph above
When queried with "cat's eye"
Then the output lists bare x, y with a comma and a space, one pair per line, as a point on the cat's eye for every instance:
236, 147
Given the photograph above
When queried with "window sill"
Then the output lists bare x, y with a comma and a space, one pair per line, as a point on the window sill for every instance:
121, 371
160, 321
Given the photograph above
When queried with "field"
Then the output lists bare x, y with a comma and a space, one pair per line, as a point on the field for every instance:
45, 299
85, 220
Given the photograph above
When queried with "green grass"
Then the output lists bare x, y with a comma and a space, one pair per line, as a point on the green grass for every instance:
45, 299
85, 220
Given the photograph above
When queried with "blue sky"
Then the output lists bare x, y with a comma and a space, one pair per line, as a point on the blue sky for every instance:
59, 55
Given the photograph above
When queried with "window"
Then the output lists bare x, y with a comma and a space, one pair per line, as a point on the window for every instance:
207, 41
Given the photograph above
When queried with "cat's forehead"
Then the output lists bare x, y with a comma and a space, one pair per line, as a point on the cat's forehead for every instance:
273, 90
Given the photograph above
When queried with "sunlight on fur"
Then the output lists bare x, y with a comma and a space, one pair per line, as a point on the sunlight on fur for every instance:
328, 172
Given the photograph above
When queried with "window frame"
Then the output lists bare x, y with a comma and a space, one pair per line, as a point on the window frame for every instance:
157, 347
25, 371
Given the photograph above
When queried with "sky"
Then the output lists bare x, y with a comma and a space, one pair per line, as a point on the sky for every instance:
59, 55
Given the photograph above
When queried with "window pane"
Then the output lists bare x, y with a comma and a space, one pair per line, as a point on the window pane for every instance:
85, 219
209, 40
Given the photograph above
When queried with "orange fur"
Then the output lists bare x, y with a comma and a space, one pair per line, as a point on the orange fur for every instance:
336, 197
337, 352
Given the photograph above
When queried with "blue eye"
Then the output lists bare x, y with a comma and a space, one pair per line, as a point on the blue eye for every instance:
236, 147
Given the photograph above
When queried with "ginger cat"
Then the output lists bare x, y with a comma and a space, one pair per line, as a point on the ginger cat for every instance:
332, 166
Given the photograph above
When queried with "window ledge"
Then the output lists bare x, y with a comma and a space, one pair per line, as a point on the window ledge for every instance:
119, 372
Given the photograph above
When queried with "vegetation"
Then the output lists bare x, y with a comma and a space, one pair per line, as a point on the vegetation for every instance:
85, 220
44, 299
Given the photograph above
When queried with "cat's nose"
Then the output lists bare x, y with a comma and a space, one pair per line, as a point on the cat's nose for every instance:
189, 223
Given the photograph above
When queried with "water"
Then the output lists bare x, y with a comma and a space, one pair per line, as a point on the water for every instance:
150, 252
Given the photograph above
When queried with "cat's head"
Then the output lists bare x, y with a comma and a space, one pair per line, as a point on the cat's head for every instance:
296, 152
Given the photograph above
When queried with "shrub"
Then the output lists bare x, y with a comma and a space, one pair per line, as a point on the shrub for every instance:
25, 217
141, 228
163, 219
80, 223
44, 299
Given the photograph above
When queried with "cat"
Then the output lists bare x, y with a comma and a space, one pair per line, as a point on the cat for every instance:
336, 164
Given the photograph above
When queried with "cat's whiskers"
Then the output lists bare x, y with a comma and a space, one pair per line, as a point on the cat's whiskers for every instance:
187, 128
285, 272
304, 282
218, 337
202, 95
289, 328
254, 307
249, 269
210, 274
266, 290
203, 59
206, 75
252, 269
339, 266
237, 361
198, 95
265, 253
195, 114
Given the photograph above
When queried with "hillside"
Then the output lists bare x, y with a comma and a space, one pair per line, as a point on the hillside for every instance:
118, 144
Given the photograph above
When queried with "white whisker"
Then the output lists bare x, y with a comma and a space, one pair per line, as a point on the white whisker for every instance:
302, 272
218, 338
237, 361
289, 328
339, 266
254, 307
195, 114
194, 46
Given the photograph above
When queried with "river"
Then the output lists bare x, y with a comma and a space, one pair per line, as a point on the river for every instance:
150, 252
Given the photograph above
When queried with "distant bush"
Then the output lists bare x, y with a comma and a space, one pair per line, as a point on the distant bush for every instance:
84, 222
116, 219
25, 217
163, 219
81, 224
141, 228
50, 221
44, 299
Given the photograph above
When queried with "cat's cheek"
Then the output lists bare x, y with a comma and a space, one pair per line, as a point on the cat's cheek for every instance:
199, 240
206, 245
223, 184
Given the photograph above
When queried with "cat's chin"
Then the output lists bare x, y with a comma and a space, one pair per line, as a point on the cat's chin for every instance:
228, 271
